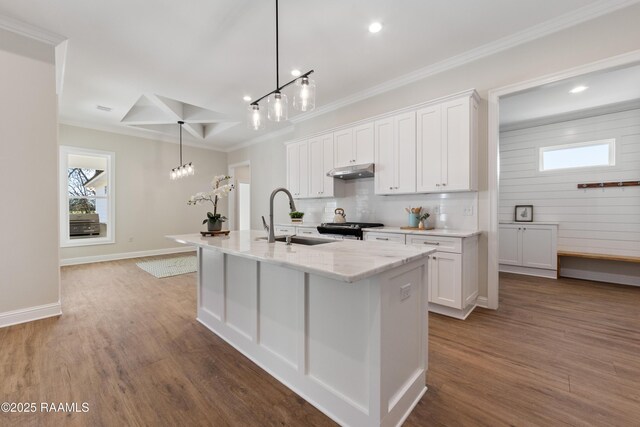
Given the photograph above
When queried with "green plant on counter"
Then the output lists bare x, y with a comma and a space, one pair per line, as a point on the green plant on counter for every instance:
296, 215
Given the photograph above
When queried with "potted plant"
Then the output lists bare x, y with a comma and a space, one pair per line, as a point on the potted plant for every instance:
296, 216
220, 188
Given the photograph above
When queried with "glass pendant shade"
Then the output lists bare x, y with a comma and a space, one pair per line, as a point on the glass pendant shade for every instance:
173, 175
190, 169
277, 107
305, 95
255, 119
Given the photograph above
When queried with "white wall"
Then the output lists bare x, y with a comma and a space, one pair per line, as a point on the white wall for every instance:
29, 274
600, 38
605, 221
148, 204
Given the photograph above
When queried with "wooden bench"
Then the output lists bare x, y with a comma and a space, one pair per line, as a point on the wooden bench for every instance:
621, 258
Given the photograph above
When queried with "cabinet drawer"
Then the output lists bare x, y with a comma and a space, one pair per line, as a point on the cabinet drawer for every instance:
282, 229
443, 244
307, 231
385, 237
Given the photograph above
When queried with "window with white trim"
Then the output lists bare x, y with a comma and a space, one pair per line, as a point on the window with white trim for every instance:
579, 155
87, 203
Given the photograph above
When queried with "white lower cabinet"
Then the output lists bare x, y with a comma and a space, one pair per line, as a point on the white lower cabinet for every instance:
453, 270
284, 230
453, 274
385, 237
530, 249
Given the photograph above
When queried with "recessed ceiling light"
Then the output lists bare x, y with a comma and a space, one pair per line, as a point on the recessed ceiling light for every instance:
375, 27
578, 89
103, 108
246, 98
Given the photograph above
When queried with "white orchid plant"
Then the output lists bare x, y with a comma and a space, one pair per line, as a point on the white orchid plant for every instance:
221, 187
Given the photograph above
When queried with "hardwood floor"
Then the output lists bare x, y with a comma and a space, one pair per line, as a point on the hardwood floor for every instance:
563, 352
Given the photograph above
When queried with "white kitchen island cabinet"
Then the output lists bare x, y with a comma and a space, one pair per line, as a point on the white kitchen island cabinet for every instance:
343, 324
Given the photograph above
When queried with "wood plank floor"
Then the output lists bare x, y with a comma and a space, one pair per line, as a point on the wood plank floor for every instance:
563, 352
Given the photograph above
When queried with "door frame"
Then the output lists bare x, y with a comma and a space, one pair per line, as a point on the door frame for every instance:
232, 195
493, 169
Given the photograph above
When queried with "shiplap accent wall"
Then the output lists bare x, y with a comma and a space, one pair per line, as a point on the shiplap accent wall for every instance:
603, 221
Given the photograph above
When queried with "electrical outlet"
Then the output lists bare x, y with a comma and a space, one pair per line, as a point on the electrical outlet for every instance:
468, 211
436, 210
405, 291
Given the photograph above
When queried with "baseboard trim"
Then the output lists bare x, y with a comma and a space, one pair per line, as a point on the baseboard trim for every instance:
482, 302
528, 271
124, 255
30, 314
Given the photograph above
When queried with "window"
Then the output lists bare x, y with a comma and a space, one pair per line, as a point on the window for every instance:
87, 208
580, 155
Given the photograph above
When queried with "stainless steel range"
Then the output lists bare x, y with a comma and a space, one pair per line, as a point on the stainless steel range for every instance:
348, 230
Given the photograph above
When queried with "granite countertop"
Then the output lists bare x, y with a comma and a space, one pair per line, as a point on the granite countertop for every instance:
436, 232
344, 260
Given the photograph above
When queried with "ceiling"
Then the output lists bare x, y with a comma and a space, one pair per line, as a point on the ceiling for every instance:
603, 88
210, 53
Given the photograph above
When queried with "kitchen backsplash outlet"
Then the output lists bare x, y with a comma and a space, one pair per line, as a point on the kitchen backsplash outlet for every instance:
449, 210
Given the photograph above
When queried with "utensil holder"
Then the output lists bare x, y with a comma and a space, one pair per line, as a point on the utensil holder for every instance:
414, 219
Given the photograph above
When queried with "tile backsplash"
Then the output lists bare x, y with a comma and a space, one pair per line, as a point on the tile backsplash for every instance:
449, 210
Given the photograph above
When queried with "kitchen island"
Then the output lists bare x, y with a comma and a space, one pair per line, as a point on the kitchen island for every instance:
343, 324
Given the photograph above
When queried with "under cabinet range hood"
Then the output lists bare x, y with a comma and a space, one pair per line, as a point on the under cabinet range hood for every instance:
352, 172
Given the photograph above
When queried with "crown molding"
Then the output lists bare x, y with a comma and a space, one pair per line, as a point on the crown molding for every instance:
602, 110
261, 138
551, 26
30, 31
137, 132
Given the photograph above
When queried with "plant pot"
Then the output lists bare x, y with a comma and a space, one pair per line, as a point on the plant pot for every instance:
214, 225
298, 220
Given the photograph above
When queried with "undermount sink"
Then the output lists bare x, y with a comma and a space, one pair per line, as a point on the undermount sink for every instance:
301, 240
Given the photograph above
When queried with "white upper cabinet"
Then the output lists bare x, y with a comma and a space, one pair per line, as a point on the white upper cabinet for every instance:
321, 154
395, 154
298, 169
354, 146
447, 146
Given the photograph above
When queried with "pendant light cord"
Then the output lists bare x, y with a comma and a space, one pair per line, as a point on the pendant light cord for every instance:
277, 53
181, 123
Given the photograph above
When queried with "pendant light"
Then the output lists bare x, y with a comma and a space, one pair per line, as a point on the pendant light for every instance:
184, 169
277, 105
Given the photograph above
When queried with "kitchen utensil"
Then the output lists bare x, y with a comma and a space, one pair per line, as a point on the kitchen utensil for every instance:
339, 216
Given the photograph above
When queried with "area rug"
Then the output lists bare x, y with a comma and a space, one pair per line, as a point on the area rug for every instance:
170, 266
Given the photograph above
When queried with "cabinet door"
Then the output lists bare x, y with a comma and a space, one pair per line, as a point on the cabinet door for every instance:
539, 247
343, 148
385, 158
327, 165
303, 191
293, 169
363, 144
316, 166
446, 279
509, 245
456, 159
429, 149
405, 152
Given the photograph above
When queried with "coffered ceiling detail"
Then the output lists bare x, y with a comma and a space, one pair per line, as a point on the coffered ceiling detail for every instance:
160, 114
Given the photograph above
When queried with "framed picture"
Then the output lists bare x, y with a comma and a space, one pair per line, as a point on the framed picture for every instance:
524, 213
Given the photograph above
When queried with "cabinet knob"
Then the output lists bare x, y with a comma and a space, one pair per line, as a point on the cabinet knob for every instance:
390, 188
434, 257
437, 185
443, 184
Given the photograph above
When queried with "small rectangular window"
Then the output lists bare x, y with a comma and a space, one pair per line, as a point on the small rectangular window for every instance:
580, 155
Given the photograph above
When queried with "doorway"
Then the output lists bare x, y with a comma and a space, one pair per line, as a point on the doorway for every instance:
240, 198
496, 102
